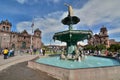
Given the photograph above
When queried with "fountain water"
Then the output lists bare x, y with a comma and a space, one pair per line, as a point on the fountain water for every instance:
91, 68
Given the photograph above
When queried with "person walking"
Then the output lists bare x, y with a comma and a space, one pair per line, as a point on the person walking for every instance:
40, 51
5, 52
0, 51
43, 51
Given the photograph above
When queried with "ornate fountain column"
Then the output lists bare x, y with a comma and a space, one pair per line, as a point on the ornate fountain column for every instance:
70, 20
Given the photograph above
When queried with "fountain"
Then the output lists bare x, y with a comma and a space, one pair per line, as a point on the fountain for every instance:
71, 37
66, 66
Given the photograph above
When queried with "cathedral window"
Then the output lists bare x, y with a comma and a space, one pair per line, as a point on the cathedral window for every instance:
7, 28
103, 32
13, 36
104, 42
4, 38
3, 28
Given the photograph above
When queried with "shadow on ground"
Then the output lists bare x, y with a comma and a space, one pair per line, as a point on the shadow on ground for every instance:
22, 72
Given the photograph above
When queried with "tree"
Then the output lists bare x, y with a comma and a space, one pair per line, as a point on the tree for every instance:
114, 47
89, 47
100, 47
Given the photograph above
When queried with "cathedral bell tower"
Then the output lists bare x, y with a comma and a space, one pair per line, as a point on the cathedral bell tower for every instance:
37, 32
5, 26
104, 36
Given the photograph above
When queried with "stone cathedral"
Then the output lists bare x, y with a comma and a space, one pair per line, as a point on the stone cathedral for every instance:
101, 38
17, 40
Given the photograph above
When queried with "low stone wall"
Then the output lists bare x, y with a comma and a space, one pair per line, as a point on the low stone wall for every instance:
102, 73
105, 73
57, 72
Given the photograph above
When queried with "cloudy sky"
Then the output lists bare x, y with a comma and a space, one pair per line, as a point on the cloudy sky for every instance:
47, 15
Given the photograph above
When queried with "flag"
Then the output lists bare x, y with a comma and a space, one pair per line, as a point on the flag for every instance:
32, 24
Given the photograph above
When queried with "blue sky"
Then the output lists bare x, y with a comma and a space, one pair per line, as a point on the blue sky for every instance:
47, 16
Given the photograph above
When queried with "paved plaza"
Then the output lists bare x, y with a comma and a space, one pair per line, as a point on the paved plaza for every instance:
4, 63
15, 68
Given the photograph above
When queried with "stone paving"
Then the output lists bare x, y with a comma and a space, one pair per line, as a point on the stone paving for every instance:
18, 58
16, 68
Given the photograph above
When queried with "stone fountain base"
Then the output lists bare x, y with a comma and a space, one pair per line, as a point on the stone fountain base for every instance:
102, 73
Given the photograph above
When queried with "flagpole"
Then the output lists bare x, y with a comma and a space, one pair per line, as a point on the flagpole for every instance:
31, 45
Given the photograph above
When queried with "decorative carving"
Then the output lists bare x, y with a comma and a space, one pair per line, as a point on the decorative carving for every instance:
78, 56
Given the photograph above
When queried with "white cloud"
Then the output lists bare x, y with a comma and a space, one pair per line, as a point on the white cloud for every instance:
48, 25
30, 2
21, 1
51, 21
25, 25
36, 1
98, 11
82, 42
116, 30
55, 1
58, 43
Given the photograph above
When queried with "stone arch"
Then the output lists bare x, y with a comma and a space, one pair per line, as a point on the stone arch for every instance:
13, 45
23, 45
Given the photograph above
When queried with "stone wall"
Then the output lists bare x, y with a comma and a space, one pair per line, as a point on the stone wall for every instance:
102, 73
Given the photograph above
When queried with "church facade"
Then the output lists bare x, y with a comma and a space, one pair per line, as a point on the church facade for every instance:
17, 40
101, 38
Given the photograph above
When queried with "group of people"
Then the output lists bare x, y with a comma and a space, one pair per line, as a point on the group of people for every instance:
7, 53
112, 54
10, 52
31, 51
35, 51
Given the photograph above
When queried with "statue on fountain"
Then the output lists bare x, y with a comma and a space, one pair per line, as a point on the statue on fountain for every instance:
70, 10
77, 55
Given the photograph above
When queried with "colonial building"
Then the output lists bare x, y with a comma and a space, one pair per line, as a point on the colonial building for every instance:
101, 38
17, 40
112, 41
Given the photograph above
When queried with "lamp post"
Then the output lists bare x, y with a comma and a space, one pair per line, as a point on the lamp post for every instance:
31, 45
31, 42
0, 41
50, 45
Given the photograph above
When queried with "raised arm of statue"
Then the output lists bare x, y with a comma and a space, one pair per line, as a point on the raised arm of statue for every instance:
70, 11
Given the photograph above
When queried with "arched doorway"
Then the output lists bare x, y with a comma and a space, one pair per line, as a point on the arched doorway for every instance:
13, 46
23, 45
